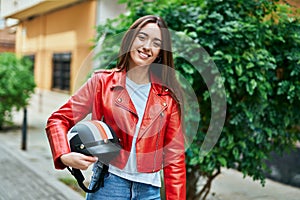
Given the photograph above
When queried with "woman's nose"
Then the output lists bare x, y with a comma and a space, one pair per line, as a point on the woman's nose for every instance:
147, 44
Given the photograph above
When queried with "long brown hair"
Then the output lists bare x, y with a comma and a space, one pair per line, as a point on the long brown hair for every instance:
166, 70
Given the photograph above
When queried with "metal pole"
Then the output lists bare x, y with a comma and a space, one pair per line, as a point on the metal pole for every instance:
24, 130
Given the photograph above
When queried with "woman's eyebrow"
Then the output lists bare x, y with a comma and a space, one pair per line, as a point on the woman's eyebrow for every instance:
145, 34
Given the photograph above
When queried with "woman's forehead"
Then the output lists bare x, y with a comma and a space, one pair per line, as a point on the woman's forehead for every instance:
152, 30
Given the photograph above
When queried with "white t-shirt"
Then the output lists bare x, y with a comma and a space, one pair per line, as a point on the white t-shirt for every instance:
139, 95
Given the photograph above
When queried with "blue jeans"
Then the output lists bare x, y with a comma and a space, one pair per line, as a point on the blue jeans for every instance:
117, 188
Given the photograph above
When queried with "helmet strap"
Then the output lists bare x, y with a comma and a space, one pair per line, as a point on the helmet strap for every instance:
80, 179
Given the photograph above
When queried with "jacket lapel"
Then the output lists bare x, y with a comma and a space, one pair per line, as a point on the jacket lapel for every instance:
123, 100
153, 110
155, 105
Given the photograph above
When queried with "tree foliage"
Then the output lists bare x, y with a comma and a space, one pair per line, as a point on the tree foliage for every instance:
256, 46
16, 85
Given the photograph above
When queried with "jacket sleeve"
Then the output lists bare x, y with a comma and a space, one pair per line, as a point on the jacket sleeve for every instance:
174, 159
58, 124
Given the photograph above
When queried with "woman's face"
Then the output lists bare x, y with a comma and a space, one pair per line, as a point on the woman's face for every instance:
146, 46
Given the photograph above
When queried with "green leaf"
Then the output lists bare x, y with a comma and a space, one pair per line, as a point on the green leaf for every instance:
222, 161
250, 65
250, 86
236, 153
228, 57
239, 70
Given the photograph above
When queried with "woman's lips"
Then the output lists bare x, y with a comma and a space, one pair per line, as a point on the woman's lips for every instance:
143, 54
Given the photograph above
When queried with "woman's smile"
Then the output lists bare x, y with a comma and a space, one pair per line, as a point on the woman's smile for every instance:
143, 55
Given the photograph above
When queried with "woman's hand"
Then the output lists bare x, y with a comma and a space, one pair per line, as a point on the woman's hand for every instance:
77, 160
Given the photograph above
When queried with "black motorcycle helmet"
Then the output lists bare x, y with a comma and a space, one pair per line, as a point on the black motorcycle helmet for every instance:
93, 138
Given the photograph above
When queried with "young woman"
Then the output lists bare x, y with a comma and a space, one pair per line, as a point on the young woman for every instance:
141, 100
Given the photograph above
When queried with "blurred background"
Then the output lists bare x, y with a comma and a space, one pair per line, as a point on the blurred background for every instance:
47, 50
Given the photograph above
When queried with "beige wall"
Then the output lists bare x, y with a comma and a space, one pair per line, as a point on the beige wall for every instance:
67, 30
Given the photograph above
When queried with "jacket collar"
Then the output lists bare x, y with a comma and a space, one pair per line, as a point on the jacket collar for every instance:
119, 80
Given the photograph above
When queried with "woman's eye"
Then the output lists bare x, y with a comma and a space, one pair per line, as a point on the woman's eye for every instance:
157, 44
141, 37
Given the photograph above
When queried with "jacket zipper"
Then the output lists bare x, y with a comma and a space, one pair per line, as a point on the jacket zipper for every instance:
157, 140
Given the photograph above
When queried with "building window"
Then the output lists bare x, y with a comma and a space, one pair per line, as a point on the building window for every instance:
61, 71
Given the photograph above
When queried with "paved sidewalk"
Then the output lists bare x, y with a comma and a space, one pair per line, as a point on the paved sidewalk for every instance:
230, 185
20, 181
30, 174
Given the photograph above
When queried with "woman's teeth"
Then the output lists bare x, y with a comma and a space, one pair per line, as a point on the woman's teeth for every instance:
144, 55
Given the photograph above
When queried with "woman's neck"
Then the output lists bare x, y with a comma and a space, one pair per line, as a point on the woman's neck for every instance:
139, 75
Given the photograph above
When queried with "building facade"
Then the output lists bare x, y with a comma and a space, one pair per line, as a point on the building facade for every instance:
7, 35
7, 39
57, 36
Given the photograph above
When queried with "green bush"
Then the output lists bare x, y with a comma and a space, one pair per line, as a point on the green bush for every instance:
16, 85
256, 46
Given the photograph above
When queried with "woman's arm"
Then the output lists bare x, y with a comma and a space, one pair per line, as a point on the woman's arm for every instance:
58, 124
174, 158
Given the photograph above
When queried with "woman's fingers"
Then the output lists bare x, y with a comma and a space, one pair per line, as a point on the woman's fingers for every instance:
90, 158
78, 160
85, 161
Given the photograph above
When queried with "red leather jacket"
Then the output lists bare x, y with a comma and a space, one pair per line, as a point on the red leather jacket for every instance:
160, 142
